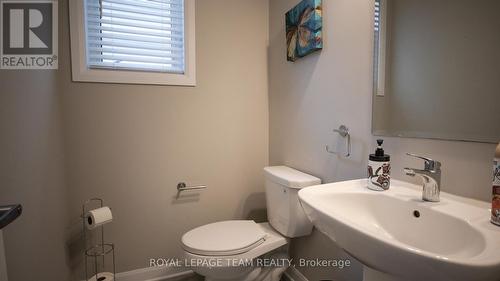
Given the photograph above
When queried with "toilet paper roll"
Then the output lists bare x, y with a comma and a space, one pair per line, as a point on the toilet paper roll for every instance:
98, 217
103, 276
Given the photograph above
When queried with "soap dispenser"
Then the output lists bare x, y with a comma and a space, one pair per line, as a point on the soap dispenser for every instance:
379, 169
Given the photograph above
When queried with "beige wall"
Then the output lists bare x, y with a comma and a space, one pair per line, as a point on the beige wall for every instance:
132, 144
312, 96
32, 174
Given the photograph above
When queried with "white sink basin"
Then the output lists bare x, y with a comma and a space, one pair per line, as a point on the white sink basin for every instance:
397, 236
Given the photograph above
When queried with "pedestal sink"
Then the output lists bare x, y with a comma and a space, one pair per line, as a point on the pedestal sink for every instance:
397, 236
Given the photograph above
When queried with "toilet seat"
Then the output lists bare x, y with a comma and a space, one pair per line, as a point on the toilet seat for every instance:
225, 238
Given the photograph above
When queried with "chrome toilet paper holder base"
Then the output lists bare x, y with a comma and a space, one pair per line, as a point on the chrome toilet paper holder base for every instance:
343, 131
99, 251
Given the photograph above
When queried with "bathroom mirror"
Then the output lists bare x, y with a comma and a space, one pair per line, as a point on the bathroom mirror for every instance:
437, 69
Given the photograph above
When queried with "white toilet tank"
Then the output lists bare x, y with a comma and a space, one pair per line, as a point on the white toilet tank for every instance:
284, 211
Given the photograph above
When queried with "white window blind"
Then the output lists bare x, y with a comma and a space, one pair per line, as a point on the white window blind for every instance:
139, 35
377, 15
380, 46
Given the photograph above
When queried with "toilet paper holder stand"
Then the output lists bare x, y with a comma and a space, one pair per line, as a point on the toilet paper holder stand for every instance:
99, 251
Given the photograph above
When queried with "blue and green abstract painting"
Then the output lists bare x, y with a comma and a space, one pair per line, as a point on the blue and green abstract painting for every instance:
304, 24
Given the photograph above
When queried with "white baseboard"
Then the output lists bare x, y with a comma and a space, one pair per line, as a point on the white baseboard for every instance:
155, 274
294, 274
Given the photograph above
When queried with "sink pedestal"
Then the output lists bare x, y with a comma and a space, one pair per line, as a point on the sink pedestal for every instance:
370, 274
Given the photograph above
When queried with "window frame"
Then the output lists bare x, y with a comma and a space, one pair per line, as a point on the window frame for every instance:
82, 73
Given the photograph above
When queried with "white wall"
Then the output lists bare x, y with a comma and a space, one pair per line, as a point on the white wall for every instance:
132, 144
312, 96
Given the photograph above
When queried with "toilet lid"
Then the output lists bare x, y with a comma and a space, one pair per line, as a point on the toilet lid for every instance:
223, 238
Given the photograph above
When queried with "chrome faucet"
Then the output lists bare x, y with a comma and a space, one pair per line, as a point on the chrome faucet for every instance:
431, 175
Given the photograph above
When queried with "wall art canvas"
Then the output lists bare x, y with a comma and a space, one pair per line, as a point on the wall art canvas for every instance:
304, 24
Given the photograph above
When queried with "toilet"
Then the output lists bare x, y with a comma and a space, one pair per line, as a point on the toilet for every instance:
243, 250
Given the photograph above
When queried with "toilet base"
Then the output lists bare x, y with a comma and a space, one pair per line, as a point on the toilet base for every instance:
258, 274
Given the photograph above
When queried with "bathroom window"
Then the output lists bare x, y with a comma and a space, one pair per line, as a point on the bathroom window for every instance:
380, 28
133, 41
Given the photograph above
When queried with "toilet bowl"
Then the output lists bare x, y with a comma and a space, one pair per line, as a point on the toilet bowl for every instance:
243, 250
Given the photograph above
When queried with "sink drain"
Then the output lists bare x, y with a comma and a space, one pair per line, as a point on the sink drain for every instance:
416, 214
